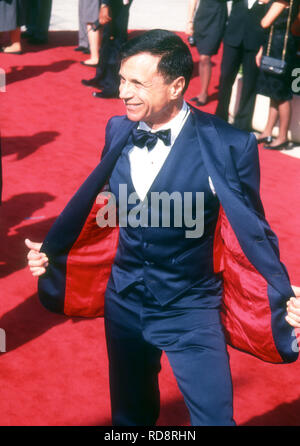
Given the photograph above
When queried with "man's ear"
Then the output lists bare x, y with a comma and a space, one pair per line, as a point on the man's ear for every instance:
177, 87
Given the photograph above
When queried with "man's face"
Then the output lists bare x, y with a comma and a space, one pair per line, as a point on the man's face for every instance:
146, 95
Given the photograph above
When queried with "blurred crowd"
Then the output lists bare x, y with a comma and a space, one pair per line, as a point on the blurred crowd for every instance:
260, 38
34, 14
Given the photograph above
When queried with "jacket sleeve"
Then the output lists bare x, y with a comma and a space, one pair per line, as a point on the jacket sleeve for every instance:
249, 174
256, 283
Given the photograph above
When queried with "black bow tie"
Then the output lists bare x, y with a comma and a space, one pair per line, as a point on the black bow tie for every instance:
142, 138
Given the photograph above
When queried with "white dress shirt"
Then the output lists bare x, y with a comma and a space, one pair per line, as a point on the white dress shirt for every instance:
145, 164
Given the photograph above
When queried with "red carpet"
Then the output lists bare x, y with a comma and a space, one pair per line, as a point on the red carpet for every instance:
55, 369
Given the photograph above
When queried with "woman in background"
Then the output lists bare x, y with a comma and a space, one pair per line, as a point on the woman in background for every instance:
206, 22
278, 88
12, 17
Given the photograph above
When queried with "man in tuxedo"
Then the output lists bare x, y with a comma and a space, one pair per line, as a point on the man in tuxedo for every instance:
242, 40
113, 16
163, 282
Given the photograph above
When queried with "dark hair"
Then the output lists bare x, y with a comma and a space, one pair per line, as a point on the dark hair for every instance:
176, 59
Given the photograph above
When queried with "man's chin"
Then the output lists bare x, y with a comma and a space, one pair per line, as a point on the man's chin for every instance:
133, 116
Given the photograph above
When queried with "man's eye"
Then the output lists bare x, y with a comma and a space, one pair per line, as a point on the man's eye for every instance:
135, 85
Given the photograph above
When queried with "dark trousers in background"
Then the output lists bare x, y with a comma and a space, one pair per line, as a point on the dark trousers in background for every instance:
138, 329
233, 58
114, 35
38, 18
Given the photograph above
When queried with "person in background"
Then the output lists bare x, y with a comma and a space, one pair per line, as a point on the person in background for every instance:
113, 16
206, 23
242, 40
12, 17
296, 31
278, 88
83, 41
90, 13
37, 21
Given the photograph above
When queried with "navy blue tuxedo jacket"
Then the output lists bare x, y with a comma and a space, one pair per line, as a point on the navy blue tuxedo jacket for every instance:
256, 283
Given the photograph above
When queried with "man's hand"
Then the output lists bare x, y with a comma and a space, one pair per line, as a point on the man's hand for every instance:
104, 15
37, 261
293, 309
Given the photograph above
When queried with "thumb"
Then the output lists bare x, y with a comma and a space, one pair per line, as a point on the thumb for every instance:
33, 245
296, 290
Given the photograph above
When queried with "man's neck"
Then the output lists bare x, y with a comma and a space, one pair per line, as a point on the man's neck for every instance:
166, 115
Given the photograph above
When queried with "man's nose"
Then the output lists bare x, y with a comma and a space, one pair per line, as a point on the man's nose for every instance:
125, 90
